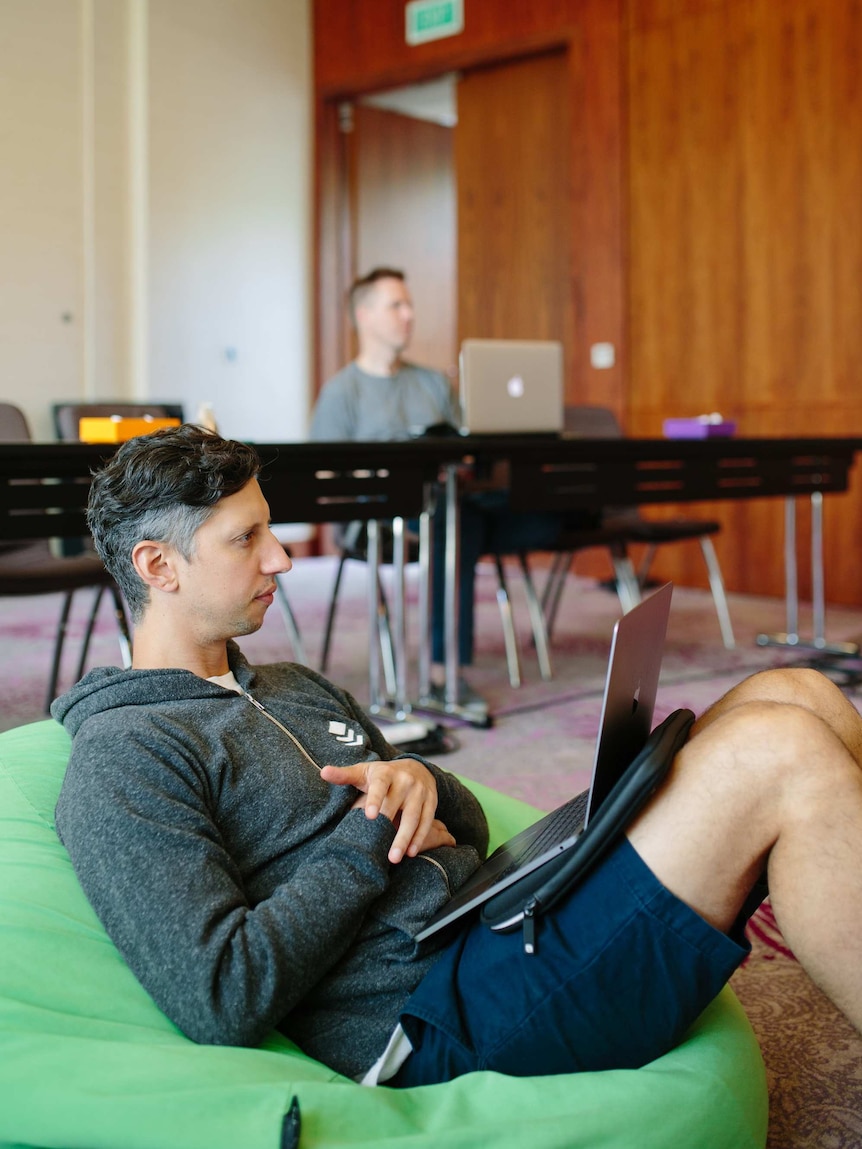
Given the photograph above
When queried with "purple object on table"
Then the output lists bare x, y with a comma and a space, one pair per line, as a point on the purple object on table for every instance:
698, 428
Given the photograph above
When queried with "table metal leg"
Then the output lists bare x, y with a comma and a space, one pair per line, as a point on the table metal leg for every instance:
399, 621
791, 580
375, 695
450, 609
791, 636
474, 715
392, 711
818, 599
426, 544
381, 652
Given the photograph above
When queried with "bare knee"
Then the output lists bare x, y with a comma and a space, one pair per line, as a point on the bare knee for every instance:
774, 746
791, 686
799, 686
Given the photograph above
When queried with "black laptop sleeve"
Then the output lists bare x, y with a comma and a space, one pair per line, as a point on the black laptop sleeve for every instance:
526, 900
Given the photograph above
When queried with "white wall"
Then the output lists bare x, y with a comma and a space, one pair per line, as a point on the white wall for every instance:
40, 203
155, 214
230, 126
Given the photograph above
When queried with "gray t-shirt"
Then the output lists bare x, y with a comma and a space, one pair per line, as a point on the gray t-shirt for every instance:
358, 406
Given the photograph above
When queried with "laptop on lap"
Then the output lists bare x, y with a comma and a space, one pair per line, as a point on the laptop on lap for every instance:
511, 387
631, 682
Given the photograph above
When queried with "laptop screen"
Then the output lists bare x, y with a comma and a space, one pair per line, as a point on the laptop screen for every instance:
511, 386
631, 685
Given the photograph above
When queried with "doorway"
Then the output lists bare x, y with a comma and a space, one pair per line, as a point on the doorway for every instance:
401, 188
464, 183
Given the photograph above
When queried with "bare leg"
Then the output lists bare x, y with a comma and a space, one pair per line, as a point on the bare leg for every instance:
767, 779
799, 687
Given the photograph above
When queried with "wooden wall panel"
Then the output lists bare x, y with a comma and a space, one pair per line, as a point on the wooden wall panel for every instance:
745, 241
685, 178
513, 229
846, 193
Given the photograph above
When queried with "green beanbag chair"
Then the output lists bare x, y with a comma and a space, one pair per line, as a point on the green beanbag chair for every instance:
87, 1060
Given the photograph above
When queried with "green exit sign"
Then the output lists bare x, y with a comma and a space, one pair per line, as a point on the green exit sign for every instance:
433, 19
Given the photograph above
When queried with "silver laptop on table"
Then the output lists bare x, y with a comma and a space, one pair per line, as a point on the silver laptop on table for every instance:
631, 682
511, 386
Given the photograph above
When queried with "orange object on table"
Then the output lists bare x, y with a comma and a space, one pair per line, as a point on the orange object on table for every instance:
116, 429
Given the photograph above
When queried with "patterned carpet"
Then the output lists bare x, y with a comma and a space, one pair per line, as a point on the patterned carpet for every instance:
540, 749
813, 1055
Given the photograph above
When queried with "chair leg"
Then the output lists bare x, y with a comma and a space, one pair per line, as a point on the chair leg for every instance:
555, 584
387, 647
384, 632
505, 605
426, 543
88, 633
628, 586
290, 621
646, 563
330, 615
716, 583
125, 634
62, 628
540, 636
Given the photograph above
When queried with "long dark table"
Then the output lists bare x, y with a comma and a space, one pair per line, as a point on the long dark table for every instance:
559, 474
337, 482
322, 482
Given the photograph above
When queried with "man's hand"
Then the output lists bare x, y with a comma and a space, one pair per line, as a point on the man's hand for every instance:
406, 793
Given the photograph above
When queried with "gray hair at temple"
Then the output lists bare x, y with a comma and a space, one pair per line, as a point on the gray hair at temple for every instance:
163, 486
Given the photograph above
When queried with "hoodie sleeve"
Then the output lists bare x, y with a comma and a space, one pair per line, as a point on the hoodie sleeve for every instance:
135, 817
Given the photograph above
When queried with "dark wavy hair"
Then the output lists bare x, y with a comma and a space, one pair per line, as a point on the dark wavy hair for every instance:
163, 487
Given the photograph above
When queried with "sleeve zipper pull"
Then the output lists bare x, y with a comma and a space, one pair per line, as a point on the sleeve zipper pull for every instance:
530, 927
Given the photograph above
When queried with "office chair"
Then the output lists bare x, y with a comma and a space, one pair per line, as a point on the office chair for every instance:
536, 615
626, 525
352, 542
29, 567
352, 546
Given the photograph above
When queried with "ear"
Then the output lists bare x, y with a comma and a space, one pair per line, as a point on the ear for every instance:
155, 565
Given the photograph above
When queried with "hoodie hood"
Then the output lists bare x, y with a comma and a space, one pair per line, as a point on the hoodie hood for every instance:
111, 688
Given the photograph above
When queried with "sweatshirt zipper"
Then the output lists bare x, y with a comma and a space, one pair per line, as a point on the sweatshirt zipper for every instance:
440, 867
259, 706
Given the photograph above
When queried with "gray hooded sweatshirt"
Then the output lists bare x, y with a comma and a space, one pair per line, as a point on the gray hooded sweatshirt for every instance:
241, 888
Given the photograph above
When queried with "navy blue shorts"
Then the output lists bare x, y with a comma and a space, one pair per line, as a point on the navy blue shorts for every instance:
622, 969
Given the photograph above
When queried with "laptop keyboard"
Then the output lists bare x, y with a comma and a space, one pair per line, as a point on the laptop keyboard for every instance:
561, 824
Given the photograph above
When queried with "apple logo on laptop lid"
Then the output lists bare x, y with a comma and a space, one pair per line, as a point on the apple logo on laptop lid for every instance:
515, 386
